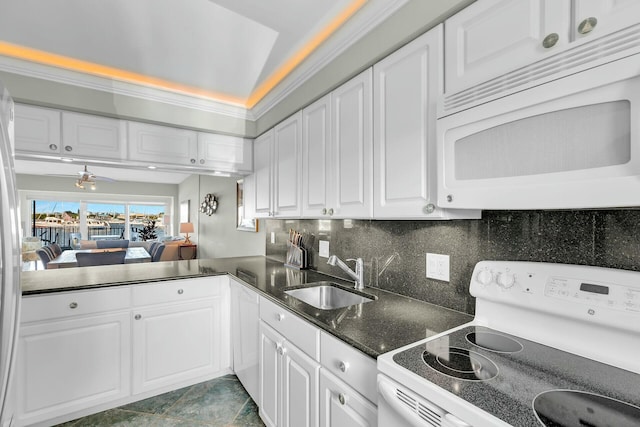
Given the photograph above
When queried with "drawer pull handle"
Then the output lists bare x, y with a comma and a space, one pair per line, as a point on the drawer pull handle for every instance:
343, 366
280, 317
342, 398
73, 305
137, 317
180, 291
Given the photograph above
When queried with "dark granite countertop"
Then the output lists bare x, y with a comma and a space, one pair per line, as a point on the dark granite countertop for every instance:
389, 322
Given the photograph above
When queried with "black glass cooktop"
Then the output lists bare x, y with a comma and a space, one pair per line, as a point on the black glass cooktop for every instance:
508, 376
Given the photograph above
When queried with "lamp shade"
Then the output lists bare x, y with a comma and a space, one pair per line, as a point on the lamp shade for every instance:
186, 227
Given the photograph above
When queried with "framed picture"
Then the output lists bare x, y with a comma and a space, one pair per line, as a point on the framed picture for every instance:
184, 211
243, 223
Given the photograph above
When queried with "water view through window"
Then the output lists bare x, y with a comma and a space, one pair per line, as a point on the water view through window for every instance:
66, 223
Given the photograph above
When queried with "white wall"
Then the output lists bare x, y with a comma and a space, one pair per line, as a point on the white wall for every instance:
216, 235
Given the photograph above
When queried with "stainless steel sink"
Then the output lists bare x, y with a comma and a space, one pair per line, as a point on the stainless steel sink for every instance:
328, 296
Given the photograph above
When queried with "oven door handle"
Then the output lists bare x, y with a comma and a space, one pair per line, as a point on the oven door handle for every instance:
388, 389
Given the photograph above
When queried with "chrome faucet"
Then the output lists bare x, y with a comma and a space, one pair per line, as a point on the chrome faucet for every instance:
357, 275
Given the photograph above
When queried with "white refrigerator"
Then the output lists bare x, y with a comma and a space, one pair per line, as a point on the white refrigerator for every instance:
9, 258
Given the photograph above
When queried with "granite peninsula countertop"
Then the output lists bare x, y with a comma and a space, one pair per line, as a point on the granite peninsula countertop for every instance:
390, 322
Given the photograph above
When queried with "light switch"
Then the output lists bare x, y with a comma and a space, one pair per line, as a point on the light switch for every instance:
438, 267
324, 249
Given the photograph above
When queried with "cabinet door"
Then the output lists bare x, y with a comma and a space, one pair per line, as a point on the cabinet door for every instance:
224, 153
287, 167
341, 406
177, 343
245, 312
262, 154
611, 15
270, 402
37, 130
300, 375
69, 365
352, 147
162, 144
490, 38
407, 85
316, 138
94, 137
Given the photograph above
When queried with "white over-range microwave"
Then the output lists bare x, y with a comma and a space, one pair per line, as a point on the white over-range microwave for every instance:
571, 142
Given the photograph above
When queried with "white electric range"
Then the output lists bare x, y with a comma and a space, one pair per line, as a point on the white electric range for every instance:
550, 345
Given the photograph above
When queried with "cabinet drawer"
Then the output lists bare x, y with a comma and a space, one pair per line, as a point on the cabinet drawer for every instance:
350, 365
176, 291
295, 330
65, 304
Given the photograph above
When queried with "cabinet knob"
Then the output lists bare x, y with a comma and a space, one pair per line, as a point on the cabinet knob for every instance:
193, 161
587, 25
280, 317
342, 399
53, 147
330, 211
324, 211
180, 291
281, 350
202, 161
68, 148
429, 209
137, 317
550, 41
449, 198
73, 305
343, 366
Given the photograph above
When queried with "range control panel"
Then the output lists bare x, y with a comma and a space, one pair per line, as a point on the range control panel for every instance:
594, 293
534, 283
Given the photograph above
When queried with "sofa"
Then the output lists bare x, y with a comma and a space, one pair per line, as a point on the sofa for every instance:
170, 252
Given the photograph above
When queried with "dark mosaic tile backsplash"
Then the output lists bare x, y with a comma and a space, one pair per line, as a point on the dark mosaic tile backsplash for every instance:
394, 251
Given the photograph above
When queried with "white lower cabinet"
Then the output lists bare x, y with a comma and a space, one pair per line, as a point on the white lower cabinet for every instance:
342, 406
245, 337
289, 382
86, 351
310, 378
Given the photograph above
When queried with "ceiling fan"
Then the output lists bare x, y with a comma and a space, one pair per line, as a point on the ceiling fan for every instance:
89, 178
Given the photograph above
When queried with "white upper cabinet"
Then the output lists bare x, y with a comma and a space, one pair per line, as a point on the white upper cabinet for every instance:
499, 47
224, 153
316, 152
262, 176
161, 144
287, 167
37, 130
610, 16
492, 37
407, 85
91, 136
352, 148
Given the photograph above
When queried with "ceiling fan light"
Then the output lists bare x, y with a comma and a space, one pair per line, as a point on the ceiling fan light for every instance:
93, 186
79, 185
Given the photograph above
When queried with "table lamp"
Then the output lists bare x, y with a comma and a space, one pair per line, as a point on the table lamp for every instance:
186, 227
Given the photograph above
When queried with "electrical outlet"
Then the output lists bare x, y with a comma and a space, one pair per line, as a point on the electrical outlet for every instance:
273, 238
438, 267
324, 249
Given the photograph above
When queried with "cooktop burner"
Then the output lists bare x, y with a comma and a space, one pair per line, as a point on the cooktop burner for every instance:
559, 408
460, 363
494, 342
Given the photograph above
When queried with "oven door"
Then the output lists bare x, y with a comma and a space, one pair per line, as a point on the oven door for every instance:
570, 143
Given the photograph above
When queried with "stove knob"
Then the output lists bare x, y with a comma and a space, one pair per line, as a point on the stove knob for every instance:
484, 277
506, 280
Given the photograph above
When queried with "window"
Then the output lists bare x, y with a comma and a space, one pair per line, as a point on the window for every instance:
65, 222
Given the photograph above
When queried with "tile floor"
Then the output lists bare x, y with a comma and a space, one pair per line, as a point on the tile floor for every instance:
219, 402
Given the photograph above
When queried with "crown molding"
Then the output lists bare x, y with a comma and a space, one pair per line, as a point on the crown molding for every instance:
87, 81
361, 24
